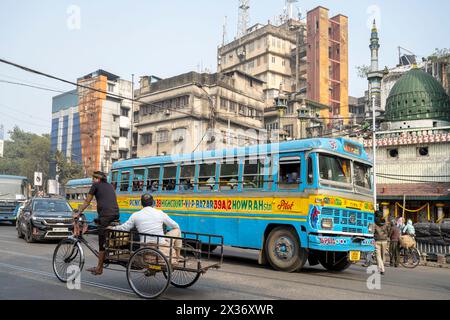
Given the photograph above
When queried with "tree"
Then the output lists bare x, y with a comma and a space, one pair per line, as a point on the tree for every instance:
362, 71
439, 53
26, 153
67, 169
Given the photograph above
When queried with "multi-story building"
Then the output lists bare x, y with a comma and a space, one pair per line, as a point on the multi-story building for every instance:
197, 112
327, 58
91, 125
356, 110
296, 58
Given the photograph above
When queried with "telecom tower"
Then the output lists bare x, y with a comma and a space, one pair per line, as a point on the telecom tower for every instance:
244, 18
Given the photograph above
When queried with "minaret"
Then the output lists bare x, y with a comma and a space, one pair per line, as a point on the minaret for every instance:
374, 75
374, 46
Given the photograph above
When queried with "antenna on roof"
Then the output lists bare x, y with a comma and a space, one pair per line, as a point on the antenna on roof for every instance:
244, 18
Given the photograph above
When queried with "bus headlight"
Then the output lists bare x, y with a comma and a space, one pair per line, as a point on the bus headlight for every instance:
371, 228
327, 223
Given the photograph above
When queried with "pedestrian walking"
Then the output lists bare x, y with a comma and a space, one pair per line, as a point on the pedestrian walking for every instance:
381, 240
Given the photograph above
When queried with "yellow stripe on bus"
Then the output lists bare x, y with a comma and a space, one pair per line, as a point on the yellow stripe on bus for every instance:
229, 217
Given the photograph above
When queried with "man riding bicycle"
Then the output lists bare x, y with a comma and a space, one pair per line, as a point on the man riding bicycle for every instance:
107, 209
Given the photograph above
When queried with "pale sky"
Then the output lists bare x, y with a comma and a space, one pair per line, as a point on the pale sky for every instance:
167, 38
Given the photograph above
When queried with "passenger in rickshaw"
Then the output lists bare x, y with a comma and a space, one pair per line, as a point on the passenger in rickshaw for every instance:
151, 221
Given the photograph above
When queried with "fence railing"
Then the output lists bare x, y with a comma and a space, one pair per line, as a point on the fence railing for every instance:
427, 248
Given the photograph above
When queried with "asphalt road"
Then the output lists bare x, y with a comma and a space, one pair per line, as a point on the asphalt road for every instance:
26, 273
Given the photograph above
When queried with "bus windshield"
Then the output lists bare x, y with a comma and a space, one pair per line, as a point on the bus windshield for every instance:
9, 188
336, 172
335, 169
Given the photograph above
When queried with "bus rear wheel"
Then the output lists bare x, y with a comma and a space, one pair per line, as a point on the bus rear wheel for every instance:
283, 250
333, 261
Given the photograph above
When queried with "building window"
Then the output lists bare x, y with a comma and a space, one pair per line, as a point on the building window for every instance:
178, 134
283, 62
124, 132
393, 153
146, 138
223, 103
110, 87
273, 59
124, 111
232, 106
289, 129
241, 109
136, 116
162, 136
123, 154
423, 151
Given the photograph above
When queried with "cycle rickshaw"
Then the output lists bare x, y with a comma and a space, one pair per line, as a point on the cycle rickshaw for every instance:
149, 260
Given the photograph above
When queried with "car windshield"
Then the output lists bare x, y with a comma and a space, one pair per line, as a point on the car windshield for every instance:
49, 205
334, 168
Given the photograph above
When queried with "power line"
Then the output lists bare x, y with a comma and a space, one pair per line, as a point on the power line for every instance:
409, 180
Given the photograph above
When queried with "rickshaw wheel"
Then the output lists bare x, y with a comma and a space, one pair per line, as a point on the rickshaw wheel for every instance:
148, 273
182, 278
68, 260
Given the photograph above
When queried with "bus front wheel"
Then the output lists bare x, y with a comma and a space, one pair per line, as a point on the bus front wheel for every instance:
333, 261
283, 250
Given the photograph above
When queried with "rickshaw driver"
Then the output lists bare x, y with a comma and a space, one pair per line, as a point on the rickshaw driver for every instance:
108, 212
150, 221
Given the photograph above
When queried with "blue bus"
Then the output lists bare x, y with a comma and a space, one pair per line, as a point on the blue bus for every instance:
14, 191
76, 192
297, 201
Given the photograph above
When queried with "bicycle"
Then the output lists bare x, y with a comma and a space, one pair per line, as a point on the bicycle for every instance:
409, 257
149, 265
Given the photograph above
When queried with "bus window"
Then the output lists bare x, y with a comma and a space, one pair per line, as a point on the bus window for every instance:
229, 176
68, 196
138, 179
253, 175
187, 175
289, 173
362, 175
114, 179
207, 176
169, 178
153, 179
124, 181
334, 168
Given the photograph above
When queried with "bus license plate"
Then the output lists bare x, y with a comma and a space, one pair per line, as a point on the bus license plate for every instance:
60, 229
355, 256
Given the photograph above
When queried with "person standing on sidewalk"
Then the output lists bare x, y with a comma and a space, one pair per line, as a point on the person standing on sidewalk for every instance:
394, 245
381, 239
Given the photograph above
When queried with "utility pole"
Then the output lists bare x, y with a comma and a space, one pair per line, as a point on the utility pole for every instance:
374, 149
132, 115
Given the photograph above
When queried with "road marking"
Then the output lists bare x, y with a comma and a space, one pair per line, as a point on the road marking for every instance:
50, 275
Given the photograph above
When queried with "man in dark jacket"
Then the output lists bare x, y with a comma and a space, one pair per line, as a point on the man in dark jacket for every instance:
381, 238
108, 212
394, 246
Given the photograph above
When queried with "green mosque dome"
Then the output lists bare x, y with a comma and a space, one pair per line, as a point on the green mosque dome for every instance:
417, 96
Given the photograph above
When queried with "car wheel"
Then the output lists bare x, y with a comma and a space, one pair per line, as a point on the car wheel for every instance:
29, 235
